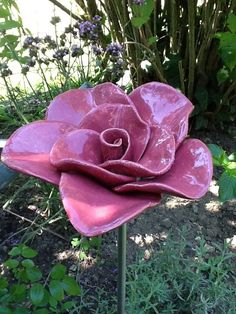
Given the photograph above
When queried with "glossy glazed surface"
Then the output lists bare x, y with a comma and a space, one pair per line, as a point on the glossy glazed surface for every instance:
96, 209
27, 150
188, 177
162, 104
113, 154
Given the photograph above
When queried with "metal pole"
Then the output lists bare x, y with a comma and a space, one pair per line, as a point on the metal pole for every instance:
122, 233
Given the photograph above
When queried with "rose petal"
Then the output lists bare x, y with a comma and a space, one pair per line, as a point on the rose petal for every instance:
162, 104
190, 175
27, 150
108, 93
93, 209
122, 117
157, 159
80, 151
71, 106
115, 144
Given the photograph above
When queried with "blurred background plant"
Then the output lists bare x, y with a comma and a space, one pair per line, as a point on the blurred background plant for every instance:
227, 179
189, 45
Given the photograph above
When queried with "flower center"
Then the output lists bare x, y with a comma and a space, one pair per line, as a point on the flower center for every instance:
114, 144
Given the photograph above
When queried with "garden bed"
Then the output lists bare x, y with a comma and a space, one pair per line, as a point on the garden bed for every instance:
96, 268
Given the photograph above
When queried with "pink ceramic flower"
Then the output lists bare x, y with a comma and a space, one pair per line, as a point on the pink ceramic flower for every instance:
112, 155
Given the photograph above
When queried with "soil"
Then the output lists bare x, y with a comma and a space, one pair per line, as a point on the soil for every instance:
208, 217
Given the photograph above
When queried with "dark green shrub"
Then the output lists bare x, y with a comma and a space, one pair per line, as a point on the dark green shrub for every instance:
23, 290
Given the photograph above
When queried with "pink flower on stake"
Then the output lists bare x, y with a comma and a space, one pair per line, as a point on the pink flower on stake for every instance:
112, 155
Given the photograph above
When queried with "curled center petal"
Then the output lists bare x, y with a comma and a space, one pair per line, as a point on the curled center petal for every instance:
115, 144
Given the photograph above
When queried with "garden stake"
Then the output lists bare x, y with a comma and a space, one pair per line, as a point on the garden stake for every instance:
122, 232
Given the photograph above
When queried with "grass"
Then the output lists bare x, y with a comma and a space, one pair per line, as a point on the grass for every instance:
178, 278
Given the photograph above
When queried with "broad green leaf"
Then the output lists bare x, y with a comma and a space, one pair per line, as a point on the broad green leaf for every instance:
27, 263
8, 39
147, 8
70, 286
228, 49
152, 40
6, 53
27, 252
15, 251
142, 13
9, 25
53, 302
36, 293
231, 165
21, 310
68, 305
41, 311
229, 57
58, 272
75, 242
56, 290
3, 283
11, 263
5, 310
227, 187
33, 274
4, 13
231, 22
85, 245
5, 298
96, 241
218, 154
139, 21
18, 292
45, 300
216, 151
21, 275
82, 256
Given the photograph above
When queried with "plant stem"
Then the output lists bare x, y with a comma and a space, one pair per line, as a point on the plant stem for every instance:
181, 76
35, 224
173, 25
122, 233
45, 79
14, 101
63, 8
191, 46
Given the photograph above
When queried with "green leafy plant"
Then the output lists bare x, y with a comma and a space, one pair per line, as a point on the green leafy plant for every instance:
23, 290
178, 42
179, 277
227, 181
85, 245
171, 281
227, 50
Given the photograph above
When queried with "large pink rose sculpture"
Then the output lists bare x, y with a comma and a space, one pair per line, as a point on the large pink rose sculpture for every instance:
112, 155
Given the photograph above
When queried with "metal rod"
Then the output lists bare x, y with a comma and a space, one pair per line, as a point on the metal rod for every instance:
122, 240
